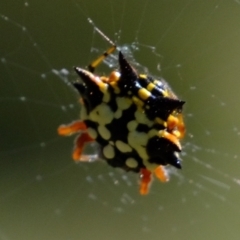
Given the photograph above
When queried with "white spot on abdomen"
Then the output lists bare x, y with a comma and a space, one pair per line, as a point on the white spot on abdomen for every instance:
123, 102
123, 147
108, 151
104, 132
132, 125
131, 162
101, 114
93, 133
141, 117
118, 114
138, 141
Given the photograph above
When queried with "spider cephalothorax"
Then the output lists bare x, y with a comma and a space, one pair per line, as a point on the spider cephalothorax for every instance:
135, 119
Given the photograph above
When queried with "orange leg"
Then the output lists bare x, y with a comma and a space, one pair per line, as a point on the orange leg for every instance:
161, 174
74, 127
175, 125
79, 145
181, 126
146, 179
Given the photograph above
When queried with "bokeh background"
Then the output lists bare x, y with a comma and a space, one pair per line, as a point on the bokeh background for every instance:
194, 45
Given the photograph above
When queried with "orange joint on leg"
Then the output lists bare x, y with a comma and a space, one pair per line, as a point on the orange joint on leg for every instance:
176, 126
67, 130
79, 145
161, 174
172, 138
146, 179
172, 122
114, 76
181, 126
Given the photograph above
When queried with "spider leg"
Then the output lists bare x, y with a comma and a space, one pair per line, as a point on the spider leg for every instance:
74, 127
79, 145
146, 180
181, 126
82, 138
95, 63
161, 174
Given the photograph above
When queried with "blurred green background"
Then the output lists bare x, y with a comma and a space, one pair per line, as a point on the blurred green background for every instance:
194, 45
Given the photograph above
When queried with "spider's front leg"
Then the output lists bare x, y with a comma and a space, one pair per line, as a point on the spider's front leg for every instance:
82, 138
146, 178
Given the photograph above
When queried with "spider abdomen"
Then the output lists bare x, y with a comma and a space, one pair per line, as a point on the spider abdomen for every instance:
128, 117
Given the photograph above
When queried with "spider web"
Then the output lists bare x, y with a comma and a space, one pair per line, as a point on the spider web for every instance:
194, 45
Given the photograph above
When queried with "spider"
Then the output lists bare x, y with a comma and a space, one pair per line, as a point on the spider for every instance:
135, 119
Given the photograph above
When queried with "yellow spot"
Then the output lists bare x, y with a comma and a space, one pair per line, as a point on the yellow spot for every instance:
106, 97
115, 87
142, 152
101, 114
92, 133
118, 114
172, 121
165, 93
114, 76
137, 139
137, 101
103, 87
123, 103
158, 83
161, 122
113, 81
150, 87
131, 162
176, 133
104, 132
104, 79
123, 147
108, 151
99, 82
144, 93
132, 125
153, 133
143, 76
141, 117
